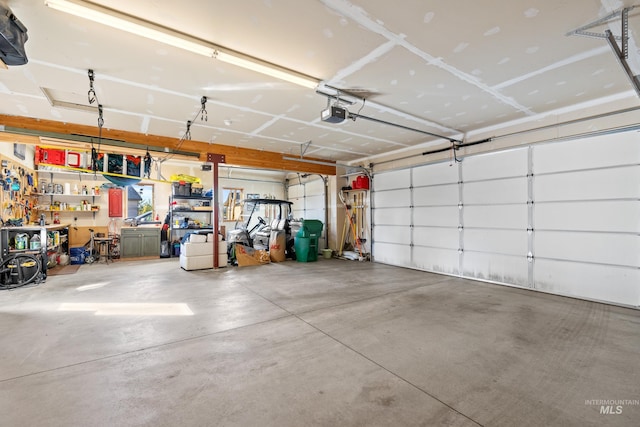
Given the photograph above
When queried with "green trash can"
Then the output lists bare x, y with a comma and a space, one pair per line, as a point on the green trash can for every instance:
301, 245
314, 229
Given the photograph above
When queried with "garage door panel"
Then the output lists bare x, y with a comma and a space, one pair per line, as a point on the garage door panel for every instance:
497, 268
436, 237
392, 199
603, 151
511, 163
388, 234
401, 216
585, 185
314, 187
296, 191
315, 202
392, 180
616, 249
613, 284
512, 190
439, 173
441, 216
436, 196
434, 259
315, 214
509, 242
308, 200
502, 216
618, 216
297, 201
392, 254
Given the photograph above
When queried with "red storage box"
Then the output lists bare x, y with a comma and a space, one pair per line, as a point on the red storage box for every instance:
360, 183
50, 156
363, 182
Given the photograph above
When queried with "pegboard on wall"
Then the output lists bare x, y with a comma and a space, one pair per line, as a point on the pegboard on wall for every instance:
18, 186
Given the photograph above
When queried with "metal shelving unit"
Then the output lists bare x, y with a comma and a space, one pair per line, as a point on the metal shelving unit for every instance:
189, 213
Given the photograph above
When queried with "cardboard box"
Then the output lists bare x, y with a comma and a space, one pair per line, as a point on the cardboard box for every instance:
248, 256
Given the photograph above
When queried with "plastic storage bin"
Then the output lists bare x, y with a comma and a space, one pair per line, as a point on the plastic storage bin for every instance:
77, 255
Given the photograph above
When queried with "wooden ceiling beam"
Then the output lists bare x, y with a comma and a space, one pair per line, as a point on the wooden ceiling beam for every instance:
236, 156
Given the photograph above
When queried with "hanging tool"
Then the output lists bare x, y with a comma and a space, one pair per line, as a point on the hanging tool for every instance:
349, 216
342, 239
147, 165
363, 226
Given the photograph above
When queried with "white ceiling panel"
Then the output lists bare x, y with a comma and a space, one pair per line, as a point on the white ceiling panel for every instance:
422, 66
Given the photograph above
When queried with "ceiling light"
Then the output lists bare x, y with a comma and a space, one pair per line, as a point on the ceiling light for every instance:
129, 24
120, 21
267, 69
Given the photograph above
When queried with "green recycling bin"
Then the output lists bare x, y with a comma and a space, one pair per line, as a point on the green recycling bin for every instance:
313, 228
301, 245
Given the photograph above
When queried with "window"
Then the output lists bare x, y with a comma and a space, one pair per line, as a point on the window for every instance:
140, 202
232, 206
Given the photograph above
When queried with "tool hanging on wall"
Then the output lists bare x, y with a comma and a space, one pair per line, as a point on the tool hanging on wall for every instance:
349, 225
363, 225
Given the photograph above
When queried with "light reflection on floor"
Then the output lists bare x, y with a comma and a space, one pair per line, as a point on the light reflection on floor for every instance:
130, 309
89, 287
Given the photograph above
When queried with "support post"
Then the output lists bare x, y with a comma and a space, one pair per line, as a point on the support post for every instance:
216, 159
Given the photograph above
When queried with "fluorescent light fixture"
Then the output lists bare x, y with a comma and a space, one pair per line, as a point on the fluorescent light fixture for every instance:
269, 70
121, 21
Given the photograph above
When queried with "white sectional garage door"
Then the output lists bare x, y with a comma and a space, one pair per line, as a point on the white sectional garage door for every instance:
587, 218
308, 199
560, 217
308, 203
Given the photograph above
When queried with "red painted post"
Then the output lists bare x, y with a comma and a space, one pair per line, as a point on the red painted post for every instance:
215, 159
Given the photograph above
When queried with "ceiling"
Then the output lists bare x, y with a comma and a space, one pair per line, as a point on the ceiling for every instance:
425, 65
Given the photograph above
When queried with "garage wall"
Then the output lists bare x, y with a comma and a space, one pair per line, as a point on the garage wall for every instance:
558, 217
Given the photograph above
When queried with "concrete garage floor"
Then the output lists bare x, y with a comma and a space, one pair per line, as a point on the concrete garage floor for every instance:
332, 343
